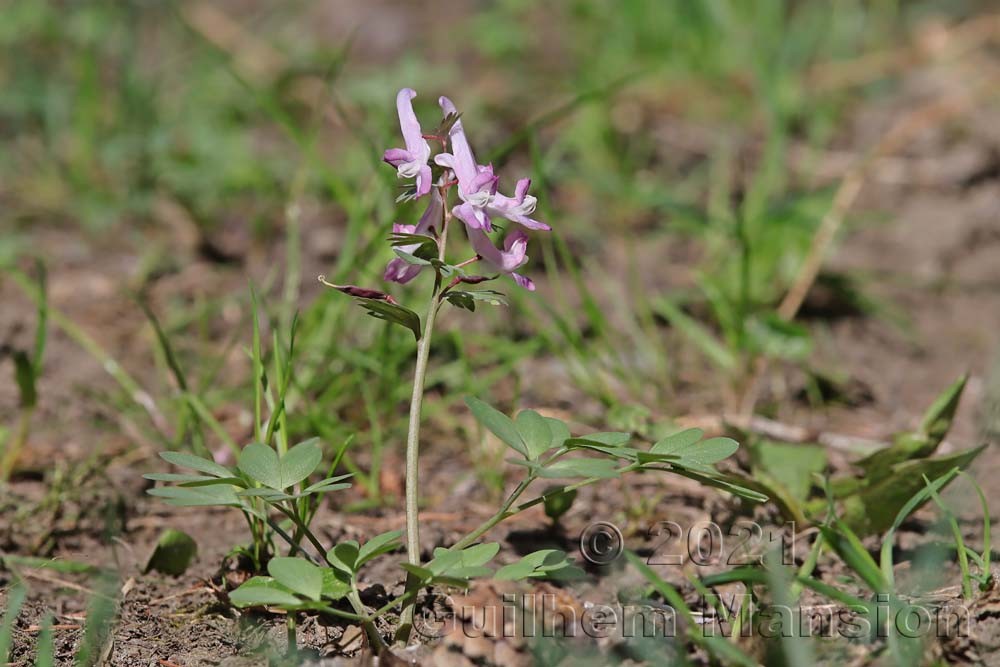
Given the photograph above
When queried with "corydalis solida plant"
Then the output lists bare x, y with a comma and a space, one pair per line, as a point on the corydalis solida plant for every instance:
275, 485
458, 188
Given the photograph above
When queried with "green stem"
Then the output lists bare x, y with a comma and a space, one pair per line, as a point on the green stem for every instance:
293, 646
367, 620
503, 513
405, 597
413, 430
507, 511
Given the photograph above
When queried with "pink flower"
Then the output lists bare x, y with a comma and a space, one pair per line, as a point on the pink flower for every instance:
513, 256
411, 162
477, 185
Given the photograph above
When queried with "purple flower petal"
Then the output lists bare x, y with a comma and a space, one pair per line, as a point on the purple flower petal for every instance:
521, 189
523, 281
516, 211
424, 180
505, 261
473, 216
410, 162
516, 244
397, 156
484, 181
410, 126
433, 214
463, 161
400, 271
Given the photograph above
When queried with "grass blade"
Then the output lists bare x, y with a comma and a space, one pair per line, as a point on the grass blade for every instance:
45, 653
15, 600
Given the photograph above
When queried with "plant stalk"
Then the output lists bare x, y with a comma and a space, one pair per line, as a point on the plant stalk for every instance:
416, 404
508, 510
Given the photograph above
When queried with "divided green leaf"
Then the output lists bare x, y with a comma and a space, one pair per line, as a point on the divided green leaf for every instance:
535, 432
263, 592
201, 496
378, 545
344, 556
565, 468
498, 424
261, 463
300, 461
336, 584
298, 575
183, 460
547, 563
467, 298
687, 449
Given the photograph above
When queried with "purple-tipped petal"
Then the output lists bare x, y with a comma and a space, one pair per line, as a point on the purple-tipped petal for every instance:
397, 156
400, 271
516, 245
424, 180
523, 281
473, 216
521, 189
529, 223
463, 161
410, 126
446, 160
513, 256
516, 211
507, 260
410, 162
485, 181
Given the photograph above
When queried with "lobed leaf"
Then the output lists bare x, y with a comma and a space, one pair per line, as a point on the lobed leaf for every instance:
535, 433
261, 463
690, 450
344, 556
378, 545
565, 468
498, 424
184, 460
202, 496
540, 564
298, 575
263, 592
336, 585
299, 462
